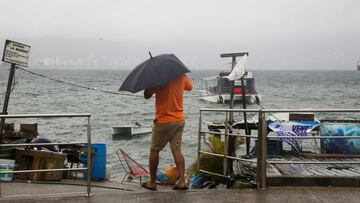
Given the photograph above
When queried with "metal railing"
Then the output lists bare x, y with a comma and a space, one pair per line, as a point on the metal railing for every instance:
88, 143
262, 137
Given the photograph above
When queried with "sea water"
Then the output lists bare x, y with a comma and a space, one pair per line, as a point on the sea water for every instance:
39, 95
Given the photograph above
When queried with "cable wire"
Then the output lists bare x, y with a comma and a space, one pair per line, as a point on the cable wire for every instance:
100, 90
77, 85
92, 88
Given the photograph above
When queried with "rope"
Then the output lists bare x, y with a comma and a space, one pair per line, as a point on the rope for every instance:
99, 90
77, 85
262, 107
92, 88
104, 91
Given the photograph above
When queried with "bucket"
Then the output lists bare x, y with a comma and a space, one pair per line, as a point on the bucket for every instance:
108, 172
6, 165
99, 164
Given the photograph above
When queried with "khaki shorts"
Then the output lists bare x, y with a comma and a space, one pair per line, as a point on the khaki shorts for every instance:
162, 133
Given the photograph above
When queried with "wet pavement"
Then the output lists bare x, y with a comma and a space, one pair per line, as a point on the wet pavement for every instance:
132, 192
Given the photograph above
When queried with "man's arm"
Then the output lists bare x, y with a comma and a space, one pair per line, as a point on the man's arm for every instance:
188, 84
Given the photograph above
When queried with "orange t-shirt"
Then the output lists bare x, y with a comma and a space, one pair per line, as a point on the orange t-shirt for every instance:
169, 99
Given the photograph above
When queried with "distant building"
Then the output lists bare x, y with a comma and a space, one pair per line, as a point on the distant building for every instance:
358, 66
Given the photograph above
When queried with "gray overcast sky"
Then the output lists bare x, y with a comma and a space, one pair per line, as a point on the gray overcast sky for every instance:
279, 34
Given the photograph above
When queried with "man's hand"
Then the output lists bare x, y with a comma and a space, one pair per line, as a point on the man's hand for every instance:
147, 94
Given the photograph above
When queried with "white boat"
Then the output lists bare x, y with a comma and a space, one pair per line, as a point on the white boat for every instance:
220, 89
130, 130
217, 89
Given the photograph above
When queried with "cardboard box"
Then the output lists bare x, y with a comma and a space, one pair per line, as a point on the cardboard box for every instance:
29, 130
29, 127
8, 126
8, 130
34, 160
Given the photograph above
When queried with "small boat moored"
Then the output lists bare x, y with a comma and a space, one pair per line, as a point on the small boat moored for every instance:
217, 89
238, 83
130, 130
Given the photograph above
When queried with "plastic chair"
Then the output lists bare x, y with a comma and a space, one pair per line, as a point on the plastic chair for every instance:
133, 168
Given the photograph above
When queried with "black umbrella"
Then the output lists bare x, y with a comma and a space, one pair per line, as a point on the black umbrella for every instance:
154, 72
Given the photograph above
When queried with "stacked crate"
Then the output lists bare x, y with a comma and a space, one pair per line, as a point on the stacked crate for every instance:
27, 132
36, 159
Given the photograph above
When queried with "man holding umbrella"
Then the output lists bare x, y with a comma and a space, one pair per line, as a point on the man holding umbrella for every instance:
168, 127
164, 76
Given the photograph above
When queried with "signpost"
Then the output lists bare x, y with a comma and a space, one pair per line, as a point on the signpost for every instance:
16, 54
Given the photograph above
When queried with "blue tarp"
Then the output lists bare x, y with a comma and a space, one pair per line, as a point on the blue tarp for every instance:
292, 129
161, 176
340, 146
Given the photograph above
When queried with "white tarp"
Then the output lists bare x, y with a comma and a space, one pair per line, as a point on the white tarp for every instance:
288, 131
239, 69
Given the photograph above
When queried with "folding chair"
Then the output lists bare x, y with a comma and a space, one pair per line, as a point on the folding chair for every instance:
133, 168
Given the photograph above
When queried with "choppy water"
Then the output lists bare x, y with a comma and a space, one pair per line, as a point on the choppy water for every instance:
279, 89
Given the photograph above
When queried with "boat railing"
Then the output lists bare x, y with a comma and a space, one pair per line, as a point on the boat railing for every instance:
262, 137
86, 169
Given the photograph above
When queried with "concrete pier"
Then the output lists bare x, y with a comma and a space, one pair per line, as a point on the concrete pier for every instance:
132, 192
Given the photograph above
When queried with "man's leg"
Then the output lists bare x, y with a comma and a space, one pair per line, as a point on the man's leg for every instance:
153, 162
175, 145
180, 166
158, 141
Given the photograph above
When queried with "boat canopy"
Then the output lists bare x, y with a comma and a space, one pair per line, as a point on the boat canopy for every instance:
239, 69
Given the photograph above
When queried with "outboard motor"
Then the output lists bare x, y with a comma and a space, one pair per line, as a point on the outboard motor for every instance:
257, 99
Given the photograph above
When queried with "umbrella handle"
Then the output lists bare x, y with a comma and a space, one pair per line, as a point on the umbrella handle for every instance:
150, 54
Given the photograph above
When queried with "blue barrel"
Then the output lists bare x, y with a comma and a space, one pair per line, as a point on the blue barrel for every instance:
99, 164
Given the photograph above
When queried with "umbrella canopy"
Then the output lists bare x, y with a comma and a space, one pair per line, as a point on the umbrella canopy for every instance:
154, 72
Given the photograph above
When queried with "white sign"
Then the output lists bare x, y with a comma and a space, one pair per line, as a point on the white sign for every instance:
16, 53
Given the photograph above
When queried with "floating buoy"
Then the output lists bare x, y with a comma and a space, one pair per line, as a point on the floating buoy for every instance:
172, 173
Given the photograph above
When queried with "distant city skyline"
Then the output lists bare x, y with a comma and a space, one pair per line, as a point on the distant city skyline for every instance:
279, 34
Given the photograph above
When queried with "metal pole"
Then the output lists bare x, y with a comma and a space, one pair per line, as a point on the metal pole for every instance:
263, 151
199, 140
245, 117
258, 164
231, 139
89, 158
226, 162
233, 63
7, 97
279, 110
